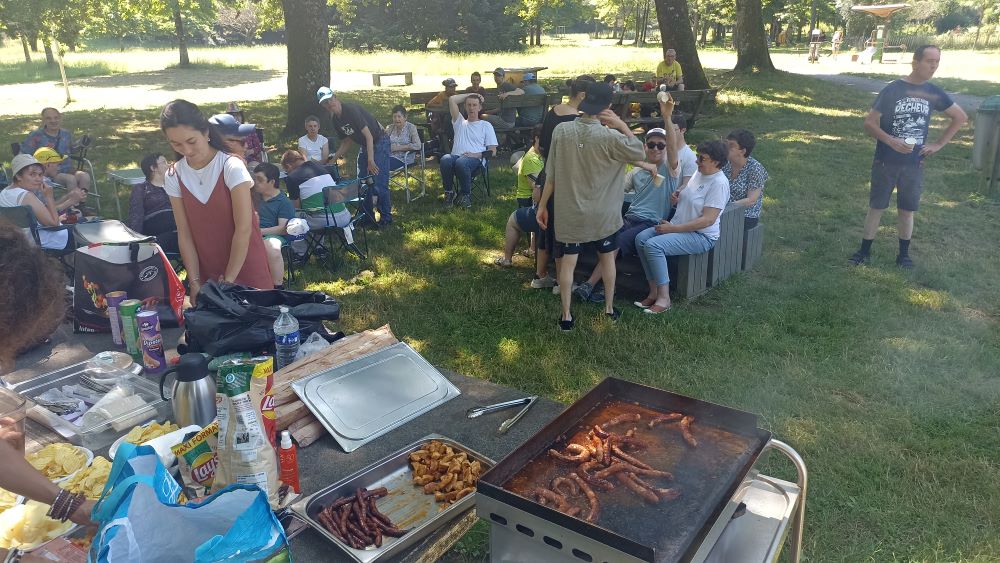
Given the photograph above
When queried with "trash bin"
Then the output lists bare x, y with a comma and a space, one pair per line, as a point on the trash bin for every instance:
986, 146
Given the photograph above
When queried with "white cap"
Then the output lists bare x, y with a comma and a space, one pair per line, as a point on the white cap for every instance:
286, 440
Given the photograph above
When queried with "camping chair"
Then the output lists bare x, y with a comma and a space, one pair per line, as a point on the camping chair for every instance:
22, 216
78, 154
351, 193
481, 176
401, 176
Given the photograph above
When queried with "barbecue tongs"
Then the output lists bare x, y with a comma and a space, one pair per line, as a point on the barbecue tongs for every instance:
507, 424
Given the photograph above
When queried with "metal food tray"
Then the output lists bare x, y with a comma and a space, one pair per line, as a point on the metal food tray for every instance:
98, 436
406, 505
365, 398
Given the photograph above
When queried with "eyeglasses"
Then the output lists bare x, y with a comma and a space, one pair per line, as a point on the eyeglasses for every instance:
704, 158
657, 146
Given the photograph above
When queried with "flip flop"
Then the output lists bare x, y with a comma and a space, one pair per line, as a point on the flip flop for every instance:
653, 312
501, 261
641, 305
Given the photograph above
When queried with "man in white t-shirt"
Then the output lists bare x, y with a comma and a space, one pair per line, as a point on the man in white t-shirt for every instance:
473, 137
312, 145
686, 156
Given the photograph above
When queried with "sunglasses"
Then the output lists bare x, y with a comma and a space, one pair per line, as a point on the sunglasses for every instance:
657, 146
239, 140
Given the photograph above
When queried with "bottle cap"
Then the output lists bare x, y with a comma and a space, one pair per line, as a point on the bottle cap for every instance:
283, 308
286, 440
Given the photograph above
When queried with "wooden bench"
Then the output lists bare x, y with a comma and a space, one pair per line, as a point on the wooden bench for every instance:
493, 102
726, 257
377, 77
753, 246
689, 102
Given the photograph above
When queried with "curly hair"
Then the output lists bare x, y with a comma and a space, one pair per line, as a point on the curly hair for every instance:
32, 305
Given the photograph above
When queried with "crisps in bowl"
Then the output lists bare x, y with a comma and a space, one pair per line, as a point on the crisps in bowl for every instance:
7, 499
142, 434
56, 461
91, 480
26, 525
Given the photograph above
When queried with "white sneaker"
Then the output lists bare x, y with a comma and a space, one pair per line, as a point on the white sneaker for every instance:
541, 283
555, 288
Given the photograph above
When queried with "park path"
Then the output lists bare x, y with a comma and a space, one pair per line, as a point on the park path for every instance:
873, 85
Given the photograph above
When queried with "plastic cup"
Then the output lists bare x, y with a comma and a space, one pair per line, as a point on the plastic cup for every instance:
12, 410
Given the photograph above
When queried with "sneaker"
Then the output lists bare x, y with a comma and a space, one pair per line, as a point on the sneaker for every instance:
464, 201
597, 296
555, 288
542, 283
449, 198
858, 258
583, 291
614, 315
904, 261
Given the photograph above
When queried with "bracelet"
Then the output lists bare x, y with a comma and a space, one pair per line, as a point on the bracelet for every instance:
65, 504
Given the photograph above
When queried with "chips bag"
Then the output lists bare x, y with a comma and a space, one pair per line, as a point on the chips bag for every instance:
197, 458
246, 449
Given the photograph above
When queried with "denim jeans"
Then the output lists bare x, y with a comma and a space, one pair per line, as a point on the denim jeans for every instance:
654, 248
626, 236
465, 167
381, 187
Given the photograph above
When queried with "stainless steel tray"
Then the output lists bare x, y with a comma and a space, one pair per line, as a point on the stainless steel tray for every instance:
365, 398
406, 505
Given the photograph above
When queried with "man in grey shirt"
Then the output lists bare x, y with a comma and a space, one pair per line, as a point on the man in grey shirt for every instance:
503, 118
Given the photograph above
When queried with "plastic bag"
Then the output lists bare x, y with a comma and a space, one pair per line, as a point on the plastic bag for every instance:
314, 343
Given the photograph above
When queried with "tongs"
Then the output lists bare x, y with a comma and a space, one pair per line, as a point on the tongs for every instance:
526, 401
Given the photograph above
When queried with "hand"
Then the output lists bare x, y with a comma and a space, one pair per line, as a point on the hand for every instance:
78, 196
372, 167
899, 146
609, 118
47, 190
503, 95
664, 228
543, 217
675, 198
648, 167
82, 514
194, 288
931, 149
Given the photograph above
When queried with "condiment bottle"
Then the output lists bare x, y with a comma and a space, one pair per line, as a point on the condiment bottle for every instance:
288, 461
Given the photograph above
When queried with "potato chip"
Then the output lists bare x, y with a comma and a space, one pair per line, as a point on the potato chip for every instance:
90, 481
26, 525
7, 499
142, 434
56, 461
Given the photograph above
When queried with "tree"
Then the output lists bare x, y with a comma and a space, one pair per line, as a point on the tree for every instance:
751, 42
675, 31
308, 40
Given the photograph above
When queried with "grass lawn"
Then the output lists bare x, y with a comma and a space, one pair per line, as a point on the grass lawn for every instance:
982, 88
885, 381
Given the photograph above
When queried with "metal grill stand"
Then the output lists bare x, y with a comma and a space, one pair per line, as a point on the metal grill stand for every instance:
756, 532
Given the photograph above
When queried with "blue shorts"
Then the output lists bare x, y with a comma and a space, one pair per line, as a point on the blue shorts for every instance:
526, 219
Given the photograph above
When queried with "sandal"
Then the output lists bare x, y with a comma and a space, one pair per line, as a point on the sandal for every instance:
566, 326
655, 310
501, 261
643, 305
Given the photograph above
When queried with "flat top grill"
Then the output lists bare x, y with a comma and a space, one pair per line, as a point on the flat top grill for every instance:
707, 475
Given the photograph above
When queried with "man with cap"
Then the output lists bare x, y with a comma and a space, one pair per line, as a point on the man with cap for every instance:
50, 161
584, 172
473, 137
529, 117
234, 135
52, 135
651, 183
354, 125
503, 118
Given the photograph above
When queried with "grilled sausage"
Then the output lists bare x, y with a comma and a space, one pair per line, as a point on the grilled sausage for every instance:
595, 506
625, 478
557, 486
576, 453
671, 417
686, 431
636, 462
627, 417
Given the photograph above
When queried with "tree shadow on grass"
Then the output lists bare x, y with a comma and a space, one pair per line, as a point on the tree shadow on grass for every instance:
182, 79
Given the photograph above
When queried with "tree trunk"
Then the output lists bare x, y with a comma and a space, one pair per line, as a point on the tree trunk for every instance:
185, 61
750, 40
50, 58
27, 49
33, 41
704, 33
695, 22
675, 30
308, 39
538, 32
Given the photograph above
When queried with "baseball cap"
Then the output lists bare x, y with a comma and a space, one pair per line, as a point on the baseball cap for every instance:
529, 76
500, 71
227, 125
598, 98
449, 82
656, 132
323, 94
22, 161
45, 155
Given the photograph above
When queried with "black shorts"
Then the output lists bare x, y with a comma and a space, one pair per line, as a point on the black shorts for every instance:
526, 219
907, 179
603, 246
546, 237
524, 202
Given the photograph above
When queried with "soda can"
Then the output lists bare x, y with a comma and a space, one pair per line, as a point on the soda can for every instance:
127, 310
151, 341
114, 299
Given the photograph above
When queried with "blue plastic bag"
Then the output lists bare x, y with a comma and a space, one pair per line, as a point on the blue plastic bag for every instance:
142, 522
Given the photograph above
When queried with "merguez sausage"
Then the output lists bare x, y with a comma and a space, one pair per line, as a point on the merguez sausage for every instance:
595, 506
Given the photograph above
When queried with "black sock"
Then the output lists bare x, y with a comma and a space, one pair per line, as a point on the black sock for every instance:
866, 245
904, 247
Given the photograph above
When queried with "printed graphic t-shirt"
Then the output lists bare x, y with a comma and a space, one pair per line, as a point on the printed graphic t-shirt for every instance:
906, 113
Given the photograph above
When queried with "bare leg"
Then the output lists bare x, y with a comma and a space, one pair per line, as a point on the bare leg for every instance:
68, 181
274, 260
653, 293
608, 272
597, 275
542, 263
82, 180
905, 224
662, 297
512, 236
872, 221
566, 266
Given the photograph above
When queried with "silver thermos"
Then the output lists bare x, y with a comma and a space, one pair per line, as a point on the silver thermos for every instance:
193, 397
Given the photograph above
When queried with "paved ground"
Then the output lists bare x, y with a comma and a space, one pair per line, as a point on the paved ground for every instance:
969, 103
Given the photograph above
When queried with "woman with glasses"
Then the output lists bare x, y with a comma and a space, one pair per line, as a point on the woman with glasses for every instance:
217, 228
149, 210
693, 229
746, 176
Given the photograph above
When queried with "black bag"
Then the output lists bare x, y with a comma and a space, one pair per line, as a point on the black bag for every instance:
233, 318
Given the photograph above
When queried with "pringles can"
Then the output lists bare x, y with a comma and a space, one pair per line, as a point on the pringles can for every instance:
151, 342
127, 310
114, 299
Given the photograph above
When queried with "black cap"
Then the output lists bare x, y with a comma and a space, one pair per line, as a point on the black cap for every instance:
598, 98
192, 367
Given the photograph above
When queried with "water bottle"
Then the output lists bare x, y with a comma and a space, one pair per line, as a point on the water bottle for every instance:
286, 338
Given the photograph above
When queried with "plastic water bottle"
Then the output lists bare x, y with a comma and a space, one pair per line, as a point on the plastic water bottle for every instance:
286, 338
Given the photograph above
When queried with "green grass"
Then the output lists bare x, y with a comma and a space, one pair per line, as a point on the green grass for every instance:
214, 64
38, 71
885, 381
980, 88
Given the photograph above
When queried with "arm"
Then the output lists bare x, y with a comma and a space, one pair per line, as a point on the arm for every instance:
20, 478
414, 137
667, 110
873, 128
345, 144
45, 212
370, 148
514, 92
189, 253
542, 213
958, 119
751, 198
708, 216
242, 218
278, 229
325, 154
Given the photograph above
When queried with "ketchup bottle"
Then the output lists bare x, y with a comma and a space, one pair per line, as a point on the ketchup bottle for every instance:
288, 461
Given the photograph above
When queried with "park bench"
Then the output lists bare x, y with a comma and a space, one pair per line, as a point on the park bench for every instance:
377, 77
689, 102
491, 102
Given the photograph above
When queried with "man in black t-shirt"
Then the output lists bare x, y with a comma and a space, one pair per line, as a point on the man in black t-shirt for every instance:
899, 120
354, 125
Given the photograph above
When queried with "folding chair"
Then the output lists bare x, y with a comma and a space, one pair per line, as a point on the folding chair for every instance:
350, 193
481, 177
401, 176
78, 154
22, 216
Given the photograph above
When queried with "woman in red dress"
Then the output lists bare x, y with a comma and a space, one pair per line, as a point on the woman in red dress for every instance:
217, 228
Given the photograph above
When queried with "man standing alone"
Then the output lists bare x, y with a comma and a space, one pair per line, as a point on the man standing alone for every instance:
898, 120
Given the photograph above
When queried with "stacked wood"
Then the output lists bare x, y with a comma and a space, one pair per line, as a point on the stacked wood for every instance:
290, 412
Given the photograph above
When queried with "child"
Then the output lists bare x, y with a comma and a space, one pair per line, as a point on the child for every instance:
312, 145
275, 211
523, 219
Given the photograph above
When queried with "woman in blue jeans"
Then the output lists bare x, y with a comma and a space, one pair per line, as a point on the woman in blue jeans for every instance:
693, 229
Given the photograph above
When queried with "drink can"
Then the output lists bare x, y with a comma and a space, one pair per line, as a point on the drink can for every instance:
114, 300
151, 341
127, 310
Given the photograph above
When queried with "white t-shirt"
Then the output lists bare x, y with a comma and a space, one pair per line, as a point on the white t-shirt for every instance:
688, 160
313, 149
702, 192
474, 136
201, 182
